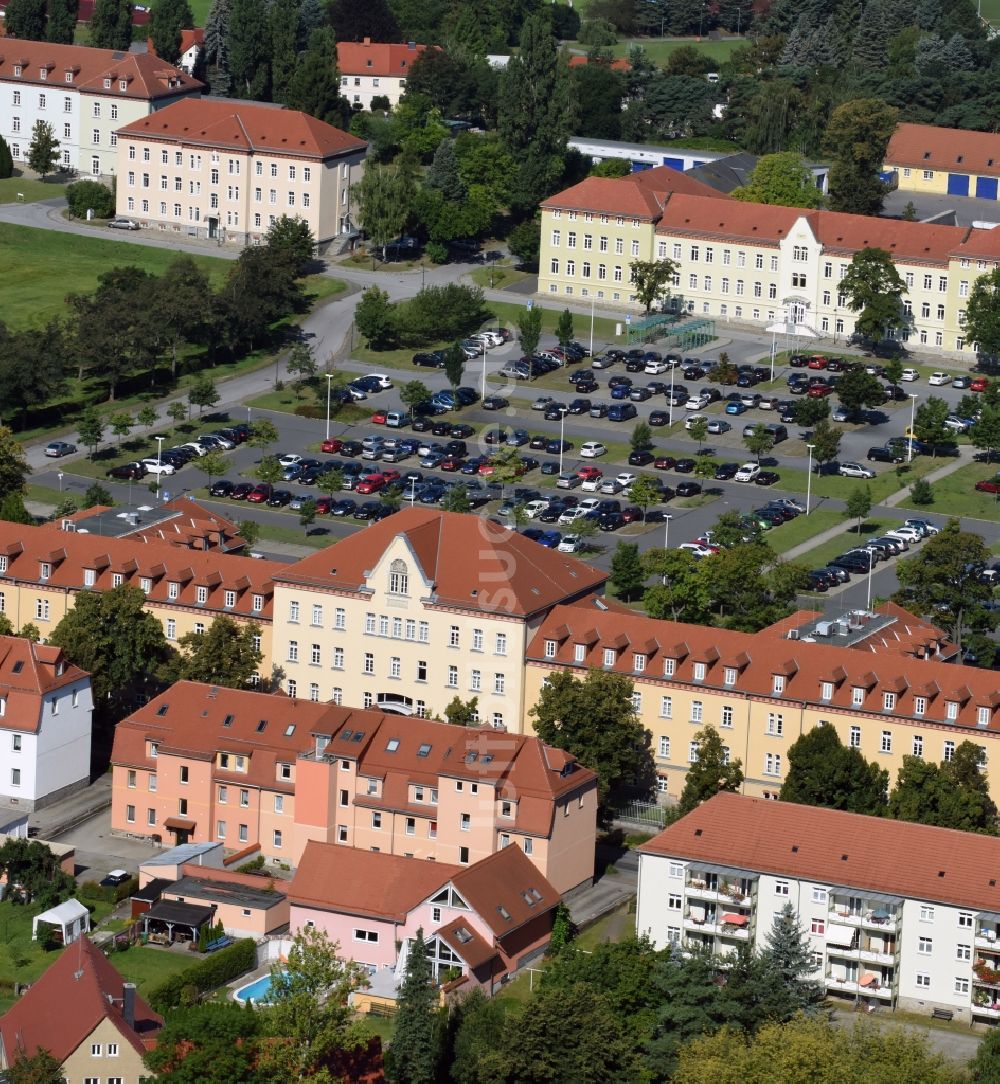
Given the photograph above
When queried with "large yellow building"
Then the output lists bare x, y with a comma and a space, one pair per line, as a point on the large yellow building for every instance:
882, 680
227, 170
776, 268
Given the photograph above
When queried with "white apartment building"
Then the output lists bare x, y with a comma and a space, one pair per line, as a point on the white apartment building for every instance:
897, 914
373, 69
227, 170
85, 94
45, 724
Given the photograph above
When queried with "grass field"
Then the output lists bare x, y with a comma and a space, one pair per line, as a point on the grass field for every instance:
51, 265
955, 494
148, 967
990, 10
32, 190
826, 552
659, 49
802, 528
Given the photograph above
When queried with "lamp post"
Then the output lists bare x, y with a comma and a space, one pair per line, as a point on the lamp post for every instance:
248, 415
159, 454
871, 565
670, 416
60, 481
774, 350
809, 477
913, 417
329, 387
483, 395
562, 433
592, 301
666, 540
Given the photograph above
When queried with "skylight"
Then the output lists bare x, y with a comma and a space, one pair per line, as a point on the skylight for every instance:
462, 935
163, 709
424, 750
392, 745
262, 726
504, 913
289, 730
228, 721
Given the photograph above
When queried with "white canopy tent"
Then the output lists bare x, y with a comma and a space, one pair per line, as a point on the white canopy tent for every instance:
71, 917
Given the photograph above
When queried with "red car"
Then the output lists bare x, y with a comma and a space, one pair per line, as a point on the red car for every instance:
665, 462
378, 418
261, 492
989, 485
819, 391
588, 474
487, 469
390, 476
372, 484
323, 506
451, 463
979, 384
817, 362
333, 445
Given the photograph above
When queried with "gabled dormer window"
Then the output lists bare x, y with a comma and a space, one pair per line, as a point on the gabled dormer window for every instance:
398, 578
669, 667
550, 649
699, 671
777, 683
729, 675
951, 709
826, 690
638, 662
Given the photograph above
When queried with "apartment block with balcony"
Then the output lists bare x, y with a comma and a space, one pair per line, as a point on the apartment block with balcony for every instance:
226, 170
85, 94
42, 569
201, 764
880, 679
776, 268
897, 915
418, 609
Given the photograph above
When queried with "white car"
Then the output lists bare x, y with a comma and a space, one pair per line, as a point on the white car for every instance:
910, 374
939, 379
692, 420
908, 534
592, 485
855, 470
747, 473
698, 401
199, 449
655, 368
696, 548
625, 479
383, 381
570, 543
591, 449
533, 509
289, 459
925, 527
154, 467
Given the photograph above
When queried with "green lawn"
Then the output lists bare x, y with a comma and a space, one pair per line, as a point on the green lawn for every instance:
990, 10
826, 552
148, 967
659, 49
881, 486
802, 528
955, 494
11, 188
497, 277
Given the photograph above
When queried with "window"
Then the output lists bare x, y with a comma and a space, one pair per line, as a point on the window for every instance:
664, 747
369, 667
376, 820
243, 833
609, 656
924, 979
129, 809
293, 651
692, 752
42, 609
961, 985
778, 683
276, 838
886, 745
949, 751
965, 919
476, 680
772, 764
398, 577
498, 684
666, 707
244, 798
775, 724
963, 952
854, 740
818, 926
925, 946
926, 913
697, 711
781, 888
918, 745
857, 696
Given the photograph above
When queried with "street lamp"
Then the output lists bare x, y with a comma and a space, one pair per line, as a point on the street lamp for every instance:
809, 477
248, 415
913, 417
562, 434
483, 396
673, 366
329, 387
60, 481
592, 327
159, 463
666, 540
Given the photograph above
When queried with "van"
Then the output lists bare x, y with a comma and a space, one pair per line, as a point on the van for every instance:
621, 412
397, 419
777, 433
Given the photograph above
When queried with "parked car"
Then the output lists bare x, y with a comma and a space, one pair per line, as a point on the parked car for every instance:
221, 488
130, 471
157, 466
55, 449
939, 379
688, 489
122, 224
855, 470
591, 449
747, 473
725, 472
262, 491
495, 402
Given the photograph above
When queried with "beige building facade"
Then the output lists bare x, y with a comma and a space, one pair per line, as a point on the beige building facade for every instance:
228, 170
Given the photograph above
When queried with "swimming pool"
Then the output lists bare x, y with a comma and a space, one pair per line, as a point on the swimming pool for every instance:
259, 991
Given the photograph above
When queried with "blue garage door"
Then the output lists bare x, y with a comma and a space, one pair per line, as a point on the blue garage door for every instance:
986, 187
639, 166
674, 163
958, 184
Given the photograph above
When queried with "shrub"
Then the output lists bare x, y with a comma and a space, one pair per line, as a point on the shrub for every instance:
439, 312
90, 890
224, 966
93, 196
309, 410
436, 252
921, 492
251, 866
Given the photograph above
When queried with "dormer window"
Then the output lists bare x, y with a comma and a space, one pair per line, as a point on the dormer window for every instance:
550, 649
3, 563
609, 656
123, 84
826, 690
579, 652
699, 671
202, 594
44, 570
173, 590
857, 696
777, 683
43, 74
951, 709
638, 663
669, 667
398, 578
145, 585
888, 701
729, 675
919, 705
153, 750
230, 599
982, 716
17, 69
107, 84
258, 603
69, 77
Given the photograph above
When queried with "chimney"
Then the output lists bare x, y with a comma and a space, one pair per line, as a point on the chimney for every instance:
367, 41
128, 1003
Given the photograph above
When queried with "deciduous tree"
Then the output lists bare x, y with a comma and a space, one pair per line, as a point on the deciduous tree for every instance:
713, 769
823, 771
14, 469
759, 442
595, 720
874, 289
210, 1043
929, 422
292, 236
529, 329
383, 198
203, 393
461, 712
982, 313
43, 150
374, 317
652, 280
952, 794
782, 179
91, 429
857, 136
859, 504
857, 389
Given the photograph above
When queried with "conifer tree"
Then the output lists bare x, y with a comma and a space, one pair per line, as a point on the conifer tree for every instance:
413, 1056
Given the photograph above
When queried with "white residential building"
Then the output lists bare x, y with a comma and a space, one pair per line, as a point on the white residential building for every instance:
45, 724
897, 914
373, 69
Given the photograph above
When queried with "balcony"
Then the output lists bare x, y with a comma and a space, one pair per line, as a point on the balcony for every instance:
872, 918
986, 975
718, 890
867, 987
988, 937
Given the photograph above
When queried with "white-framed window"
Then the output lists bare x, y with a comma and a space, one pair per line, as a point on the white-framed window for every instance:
775, 723
886, 745
818, 894
772, 764
697, 711
726, 718
666, 707
925, 946
923, 980
550, 649
781, 888
918, 745
857, 696
963, 952
817, 926
888, 701
926, 913
664, 747
854, 738
949, 752
609, 656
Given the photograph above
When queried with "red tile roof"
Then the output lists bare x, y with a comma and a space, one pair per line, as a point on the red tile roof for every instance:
471, 564
64, 1006
834, 848
257, 129
193, 526
27, 672
618, 64
147, 77
333, 877
757, 657
135, 558
506, 889
699, 216
642, 194
376, 58
925, 146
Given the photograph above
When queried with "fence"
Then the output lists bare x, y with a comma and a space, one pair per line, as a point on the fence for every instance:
645, 814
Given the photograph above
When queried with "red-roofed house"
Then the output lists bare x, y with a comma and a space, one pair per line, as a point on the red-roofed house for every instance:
760, 265
224, 169
90, 92
201, 764
45, 724
487, 920
192, 43
616, 64
86, 1016
373, 69
955, 161
896, 914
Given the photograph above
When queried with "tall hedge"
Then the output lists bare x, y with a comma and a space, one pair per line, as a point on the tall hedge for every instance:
93, 196
221, 967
